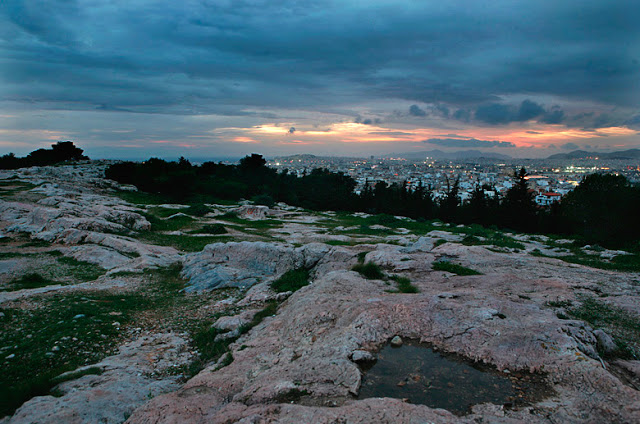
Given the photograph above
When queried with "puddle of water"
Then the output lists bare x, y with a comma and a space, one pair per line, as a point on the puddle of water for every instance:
418, 374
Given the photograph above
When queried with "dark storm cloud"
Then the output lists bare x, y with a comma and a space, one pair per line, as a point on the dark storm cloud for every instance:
553, 116
470, 143
414, 110
500, 113
462, 115
222, 57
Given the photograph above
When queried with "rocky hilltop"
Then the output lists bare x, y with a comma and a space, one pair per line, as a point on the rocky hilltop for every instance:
117, 306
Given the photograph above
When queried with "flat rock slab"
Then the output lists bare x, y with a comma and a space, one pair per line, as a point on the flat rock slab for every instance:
305, 354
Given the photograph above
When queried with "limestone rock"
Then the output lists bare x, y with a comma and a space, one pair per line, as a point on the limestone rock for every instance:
244, 264
255, 212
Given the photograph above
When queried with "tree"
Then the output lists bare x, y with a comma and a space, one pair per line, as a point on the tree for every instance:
449, 204
253, 162
519, 210
603, 209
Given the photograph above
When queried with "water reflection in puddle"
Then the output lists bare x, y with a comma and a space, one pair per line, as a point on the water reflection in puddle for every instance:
420, 375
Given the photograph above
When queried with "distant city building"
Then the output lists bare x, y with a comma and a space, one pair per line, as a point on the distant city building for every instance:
548, 198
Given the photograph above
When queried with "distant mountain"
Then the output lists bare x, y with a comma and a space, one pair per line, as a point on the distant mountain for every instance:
582, 154
459, 155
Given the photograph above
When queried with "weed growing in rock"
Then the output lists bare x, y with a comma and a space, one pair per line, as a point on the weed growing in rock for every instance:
439, 242
291, 280
624, 327
370, 271
404, 284
337, 243
210, 349
453, 268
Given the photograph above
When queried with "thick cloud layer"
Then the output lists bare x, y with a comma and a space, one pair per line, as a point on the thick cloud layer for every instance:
468, 143
203, 56
400, 64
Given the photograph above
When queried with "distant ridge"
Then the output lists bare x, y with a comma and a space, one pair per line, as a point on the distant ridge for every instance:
461, 154
582, 154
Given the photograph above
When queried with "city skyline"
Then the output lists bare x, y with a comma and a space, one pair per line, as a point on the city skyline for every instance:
151, 78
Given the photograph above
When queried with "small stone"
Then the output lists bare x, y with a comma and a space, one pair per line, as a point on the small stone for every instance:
362, 356
13, 355
396, 341
79, 316
55, 348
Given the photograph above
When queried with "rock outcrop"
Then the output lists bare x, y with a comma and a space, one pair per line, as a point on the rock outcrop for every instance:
245, 264
306, 354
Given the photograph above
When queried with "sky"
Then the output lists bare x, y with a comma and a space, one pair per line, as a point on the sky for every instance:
196, 78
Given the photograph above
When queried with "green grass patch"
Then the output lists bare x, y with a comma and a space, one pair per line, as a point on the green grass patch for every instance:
79, 270
210, 350
170, 224
404, 284
198, 209
439, 242
10, 188
159, 212
624, 263
453, 268
370, 271
142, 198
620, 324
212, 229
37, 243
361, 256
184, 243
496, 239
71, 330
291, 280
364, 224
32, 280
37, 333
337, 243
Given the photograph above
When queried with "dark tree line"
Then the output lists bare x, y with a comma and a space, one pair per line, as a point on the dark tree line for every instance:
62, 151
602, 209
